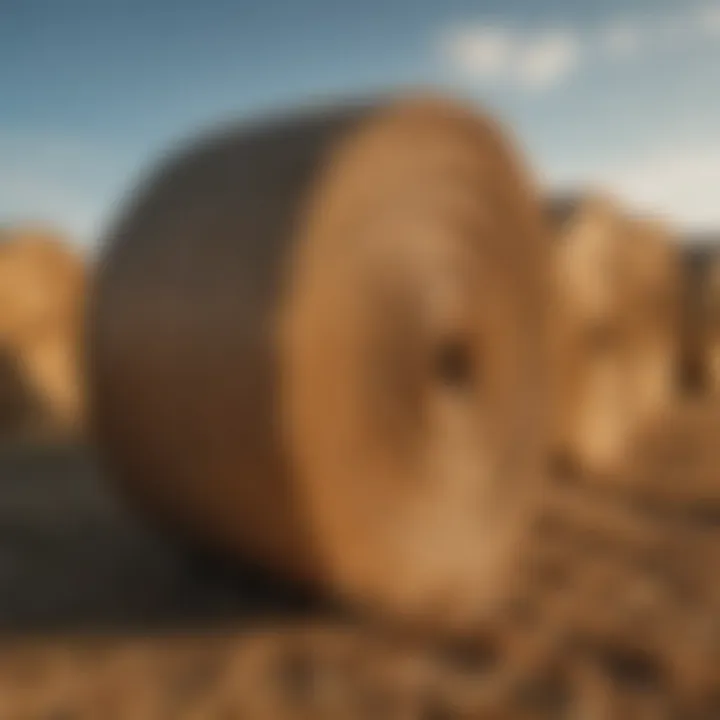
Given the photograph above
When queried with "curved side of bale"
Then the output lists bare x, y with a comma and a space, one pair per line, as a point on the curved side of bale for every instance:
321, 345
181, 363
42, 284
618, 321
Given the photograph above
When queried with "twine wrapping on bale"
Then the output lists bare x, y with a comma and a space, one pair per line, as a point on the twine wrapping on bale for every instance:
319, 343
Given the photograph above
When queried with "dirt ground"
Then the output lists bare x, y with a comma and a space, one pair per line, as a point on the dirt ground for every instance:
102, 619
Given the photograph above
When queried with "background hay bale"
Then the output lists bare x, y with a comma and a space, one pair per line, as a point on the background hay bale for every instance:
618, 329
42, 285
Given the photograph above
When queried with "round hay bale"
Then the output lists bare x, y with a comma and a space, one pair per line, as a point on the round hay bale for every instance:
42, 283
618, 322
318, 342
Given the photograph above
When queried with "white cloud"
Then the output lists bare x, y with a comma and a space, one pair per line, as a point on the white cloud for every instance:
659, 33
536, 60
548, 59
485, 52
541, 58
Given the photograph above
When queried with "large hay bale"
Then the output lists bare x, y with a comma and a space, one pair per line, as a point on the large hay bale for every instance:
618, 323
319, 343
42, 283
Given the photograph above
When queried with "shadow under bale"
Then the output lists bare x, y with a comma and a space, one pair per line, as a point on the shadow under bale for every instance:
73, 560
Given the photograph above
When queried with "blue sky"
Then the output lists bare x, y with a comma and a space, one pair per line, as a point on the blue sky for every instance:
621, 94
